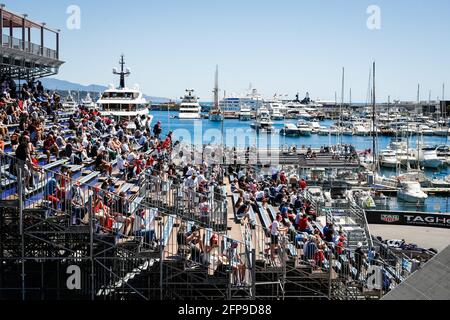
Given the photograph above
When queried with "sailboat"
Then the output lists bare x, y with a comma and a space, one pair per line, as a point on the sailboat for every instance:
216, 114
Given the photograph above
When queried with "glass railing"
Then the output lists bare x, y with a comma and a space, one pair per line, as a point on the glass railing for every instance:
29, 47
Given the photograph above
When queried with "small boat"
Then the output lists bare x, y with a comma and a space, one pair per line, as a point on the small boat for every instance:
347, 132
426, 130
442, 132
315, 126
388, 159
323, 131
361, 130
290, 130
428, 158
216, 116
411, 191
304, 129
277, 115
361, 198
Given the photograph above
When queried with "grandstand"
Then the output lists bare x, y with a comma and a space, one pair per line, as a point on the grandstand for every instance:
75, 223
39, 244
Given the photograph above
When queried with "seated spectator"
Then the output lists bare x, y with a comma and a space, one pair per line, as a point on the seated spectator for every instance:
243, 211
52, 190
303, 225
50, 147
193, 241
102, 212
123, 214
102, 165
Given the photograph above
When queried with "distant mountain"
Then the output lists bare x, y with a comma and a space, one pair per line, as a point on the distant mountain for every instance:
62, 85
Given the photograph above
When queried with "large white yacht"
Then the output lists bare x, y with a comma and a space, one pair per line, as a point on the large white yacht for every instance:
263, 121
276, 107
87, 102
122, 103
190, 107
69, 104
231, 105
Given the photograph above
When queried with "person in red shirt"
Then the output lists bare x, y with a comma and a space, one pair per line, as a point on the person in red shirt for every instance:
303, 225
340, 248
50, 146
138, 165
168, 142
283, 178
303, 185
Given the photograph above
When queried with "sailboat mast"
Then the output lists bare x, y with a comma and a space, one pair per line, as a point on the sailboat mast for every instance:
373, 120
417, 126
350, 99
216, 89
342, 106
443, 108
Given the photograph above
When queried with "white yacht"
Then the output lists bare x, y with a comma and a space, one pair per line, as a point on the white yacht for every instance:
277, 115
190, 107
426, 130
122, 103
428, 157
87, 102
361, 130
276, 107
304, 115
388, 159
323, 131
441, 132
245, 114
290, 130
361, 198
411, 191
69, 104
263, 121
304, 128
315, 126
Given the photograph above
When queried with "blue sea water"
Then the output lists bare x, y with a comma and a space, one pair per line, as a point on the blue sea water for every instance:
238, 133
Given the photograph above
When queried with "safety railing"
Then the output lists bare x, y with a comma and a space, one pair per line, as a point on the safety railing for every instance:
29, 47
171, 195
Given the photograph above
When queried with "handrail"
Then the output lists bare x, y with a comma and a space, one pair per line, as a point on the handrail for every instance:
29, 47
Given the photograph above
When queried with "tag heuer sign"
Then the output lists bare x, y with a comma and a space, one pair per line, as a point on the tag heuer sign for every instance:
389, 218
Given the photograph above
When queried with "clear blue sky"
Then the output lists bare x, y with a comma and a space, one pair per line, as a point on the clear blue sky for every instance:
285, 46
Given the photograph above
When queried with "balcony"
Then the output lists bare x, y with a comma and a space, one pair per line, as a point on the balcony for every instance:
28, 47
